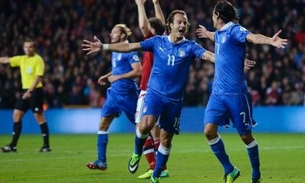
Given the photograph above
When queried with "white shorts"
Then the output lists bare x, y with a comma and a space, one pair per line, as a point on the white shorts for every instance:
140, 107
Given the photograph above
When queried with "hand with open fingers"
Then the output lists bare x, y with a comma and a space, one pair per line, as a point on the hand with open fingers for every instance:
102, 81
277, 41
92, 47
201, 32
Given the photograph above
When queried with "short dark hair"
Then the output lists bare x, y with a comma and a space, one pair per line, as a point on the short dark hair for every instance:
170, 19
226, 11
157, 24
27, 40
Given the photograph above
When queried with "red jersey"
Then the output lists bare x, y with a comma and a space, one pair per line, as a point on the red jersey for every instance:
147, 62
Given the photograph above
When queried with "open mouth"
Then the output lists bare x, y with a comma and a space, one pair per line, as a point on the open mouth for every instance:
181, 30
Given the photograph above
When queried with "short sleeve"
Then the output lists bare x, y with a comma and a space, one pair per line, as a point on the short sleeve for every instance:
240, 33
15, 61
134, 57
198, 50
39, 69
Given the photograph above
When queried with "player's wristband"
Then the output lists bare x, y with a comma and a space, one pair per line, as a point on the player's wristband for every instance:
105, 46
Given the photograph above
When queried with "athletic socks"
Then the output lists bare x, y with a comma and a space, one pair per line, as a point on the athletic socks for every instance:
102, 141
17, 127
45, 134
139, 142
254, 159
149, 152
162, 158
218, 148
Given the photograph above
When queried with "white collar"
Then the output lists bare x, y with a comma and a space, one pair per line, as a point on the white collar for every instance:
226, 26
182, 40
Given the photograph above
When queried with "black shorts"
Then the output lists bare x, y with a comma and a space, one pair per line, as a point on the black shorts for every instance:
35, 102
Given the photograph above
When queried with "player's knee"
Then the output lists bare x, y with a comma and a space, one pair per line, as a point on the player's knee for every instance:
146, 124
17, 115
247, 139
210, 132
39, 118
167, 143
105, 123
144, 127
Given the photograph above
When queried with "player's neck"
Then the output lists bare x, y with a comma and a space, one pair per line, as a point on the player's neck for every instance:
175, 39
219, 24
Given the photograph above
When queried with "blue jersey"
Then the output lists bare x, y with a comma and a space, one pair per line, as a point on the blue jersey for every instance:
230, 99
171, 65
121, 64
230, 49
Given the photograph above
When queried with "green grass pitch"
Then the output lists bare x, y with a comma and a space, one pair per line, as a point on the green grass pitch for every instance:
191, 161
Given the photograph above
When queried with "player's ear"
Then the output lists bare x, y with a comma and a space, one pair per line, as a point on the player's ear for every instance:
123, 36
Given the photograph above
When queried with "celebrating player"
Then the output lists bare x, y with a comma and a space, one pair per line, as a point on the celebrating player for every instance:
149, 28
230, 99
121, 96
172, 58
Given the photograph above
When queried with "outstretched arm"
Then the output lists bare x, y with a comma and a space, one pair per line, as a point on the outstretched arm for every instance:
202, 32
158, 11
275, 41
143, 21
4, 60
97, 45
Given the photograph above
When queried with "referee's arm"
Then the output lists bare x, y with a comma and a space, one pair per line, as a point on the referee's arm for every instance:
4, 60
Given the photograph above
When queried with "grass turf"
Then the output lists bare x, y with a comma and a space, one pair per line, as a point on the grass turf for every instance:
191, 161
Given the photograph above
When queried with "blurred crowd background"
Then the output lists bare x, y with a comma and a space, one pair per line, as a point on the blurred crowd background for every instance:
59, 26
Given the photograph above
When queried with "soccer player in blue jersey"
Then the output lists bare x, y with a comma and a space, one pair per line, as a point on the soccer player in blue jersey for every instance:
173, 55
230, 99
149, 28
121, 96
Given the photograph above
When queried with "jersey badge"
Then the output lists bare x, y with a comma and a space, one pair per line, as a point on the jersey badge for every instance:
29, 70
135, 58
223, 39
181, 52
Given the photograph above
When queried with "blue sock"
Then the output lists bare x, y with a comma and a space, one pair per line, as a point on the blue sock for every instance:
162, 158
218, 148
254, 159
139, 142
102, 141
